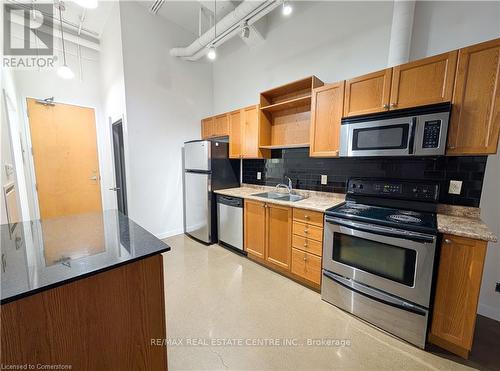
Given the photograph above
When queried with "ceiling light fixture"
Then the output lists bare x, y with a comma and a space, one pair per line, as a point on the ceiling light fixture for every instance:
287, 8
63, 71
245, 30
212, 54
89, 4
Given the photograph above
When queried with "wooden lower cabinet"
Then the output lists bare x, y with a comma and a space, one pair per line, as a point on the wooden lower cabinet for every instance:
457, 294
268, 240
307, 266
279, 233
255, 228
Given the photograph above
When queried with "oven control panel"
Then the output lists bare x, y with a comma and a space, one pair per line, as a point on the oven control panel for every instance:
393, 189
432, 131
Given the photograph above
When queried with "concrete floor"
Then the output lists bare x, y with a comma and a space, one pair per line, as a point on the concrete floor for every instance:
213, 294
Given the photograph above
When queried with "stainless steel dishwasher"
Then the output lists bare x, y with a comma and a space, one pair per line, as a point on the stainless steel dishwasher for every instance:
230, 222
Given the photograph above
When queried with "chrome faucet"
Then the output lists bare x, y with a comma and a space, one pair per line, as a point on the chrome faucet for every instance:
288, 187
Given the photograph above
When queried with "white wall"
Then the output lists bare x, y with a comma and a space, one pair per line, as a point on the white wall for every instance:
332, 40
166, 98
113, 88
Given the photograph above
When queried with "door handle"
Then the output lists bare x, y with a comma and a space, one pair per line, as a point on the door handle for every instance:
114, 189
93, 178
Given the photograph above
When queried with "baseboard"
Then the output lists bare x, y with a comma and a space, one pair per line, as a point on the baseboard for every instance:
489, 311
171, 233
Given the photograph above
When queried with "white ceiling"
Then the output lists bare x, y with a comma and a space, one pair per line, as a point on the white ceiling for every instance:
185, 13
95, 19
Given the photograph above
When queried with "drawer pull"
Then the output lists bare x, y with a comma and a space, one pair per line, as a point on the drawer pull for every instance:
307, 217
305, 259
447, 241
306, 231
305, 245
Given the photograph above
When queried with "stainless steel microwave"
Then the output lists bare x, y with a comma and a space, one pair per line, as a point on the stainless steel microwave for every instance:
418, 131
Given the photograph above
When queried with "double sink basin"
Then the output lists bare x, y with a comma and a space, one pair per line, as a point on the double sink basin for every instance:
280, 196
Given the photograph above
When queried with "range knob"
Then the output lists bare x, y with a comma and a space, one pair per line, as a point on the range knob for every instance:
353, 185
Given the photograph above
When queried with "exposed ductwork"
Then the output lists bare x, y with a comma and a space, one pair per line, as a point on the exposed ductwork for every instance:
401, 30
228, 27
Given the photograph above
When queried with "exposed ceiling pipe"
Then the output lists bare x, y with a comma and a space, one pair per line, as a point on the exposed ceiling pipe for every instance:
227, 27
67, 36
401, 30
156, 6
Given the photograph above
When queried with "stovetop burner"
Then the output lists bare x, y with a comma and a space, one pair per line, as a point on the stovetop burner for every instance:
405, 218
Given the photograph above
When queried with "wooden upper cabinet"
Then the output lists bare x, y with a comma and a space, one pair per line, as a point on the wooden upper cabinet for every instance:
368, 93
279, 233
475, 118
207, 128
426, 81
255, 228
235, 129
326, 113
221, 125
457, 293
251, 134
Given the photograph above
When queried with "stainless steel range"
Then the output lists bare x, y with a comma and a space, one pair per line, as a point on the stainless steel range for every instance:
378, 254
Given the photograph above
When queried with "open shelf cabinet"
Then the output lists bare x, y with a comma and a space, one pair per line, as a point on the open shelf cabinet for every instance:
285, 114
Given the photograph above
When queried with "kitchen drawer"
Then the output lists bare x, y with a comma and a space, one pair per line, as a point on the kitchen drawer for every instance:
307, 245
307, 216
309, 231
306, 265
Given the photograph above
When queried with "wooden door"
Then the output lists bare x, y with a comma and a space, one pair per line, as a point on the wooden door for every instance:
457, 293
368, 93
207, 128
255, 228
235, 134
422, 82
475, 118
221, 125
63, 139
326, 113
279, 235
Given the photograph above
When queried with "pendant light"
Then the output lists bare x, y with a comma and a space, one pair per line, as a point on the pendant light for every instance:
212, 53
63, 71
287, 8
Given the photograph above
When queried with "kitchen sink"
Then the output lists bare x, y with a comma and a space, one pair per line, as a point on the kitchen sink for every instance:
280, 196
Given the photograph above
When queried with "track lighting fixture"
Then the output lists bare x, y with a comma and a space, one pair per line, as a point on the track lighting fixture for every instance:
287, 8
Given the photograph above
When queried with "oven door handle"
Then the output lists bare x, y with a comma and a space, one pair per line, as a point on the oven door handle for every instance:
380, 230
375, 294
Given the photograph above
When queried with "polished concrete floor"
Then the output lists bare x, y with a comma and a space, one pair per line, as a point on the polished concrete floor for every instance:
225, 312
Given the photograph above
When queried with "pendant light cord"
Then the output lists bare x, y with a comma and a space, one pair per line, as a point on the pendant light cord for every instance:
62, 33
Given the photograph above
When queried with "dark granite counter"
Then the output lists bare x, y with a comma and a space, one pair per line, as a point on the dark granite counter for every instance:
42, 254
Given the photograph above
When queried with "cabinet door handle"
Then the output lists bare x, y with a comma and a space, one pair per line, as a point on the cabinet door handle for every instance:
305, 258
307, 217
394, 105
305, 245
306, 231
447, 241
385, 106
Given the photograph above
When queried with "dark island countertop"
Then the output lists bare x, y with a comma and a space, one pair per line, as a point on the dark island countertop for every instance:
41, 254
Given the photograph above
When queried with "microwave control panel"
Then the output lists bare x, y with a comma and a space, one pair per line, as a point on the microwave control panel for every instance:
432, 131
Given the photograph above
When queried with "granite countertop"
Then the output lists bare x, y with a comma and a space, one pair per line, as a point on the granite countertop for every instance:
315, 201
463, 221
42, 254
455, 220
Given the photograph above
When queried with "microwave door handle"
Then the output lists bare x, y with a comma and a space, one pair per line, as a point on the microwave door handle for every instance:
374, 294
411, 140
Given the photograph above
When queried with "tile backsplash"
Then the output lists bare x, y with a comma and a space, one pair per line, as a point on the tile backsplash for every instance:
306, 172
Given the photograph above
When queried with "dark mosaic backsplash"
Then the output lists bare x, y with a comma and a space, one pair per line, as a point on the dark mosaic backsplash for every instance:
306, 172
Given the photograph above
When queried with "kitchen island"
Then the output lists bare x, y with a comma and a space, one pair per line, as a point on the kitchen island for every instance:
82, 292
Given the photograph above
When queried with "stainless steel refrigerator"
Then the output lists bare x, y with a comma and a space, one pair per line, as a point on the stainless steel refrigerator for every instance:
207, 168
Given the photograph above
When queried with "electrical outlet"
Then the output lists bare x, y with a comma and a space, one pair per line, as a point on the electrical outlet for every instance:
324, 179
259, 175
497, 287
455, 187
